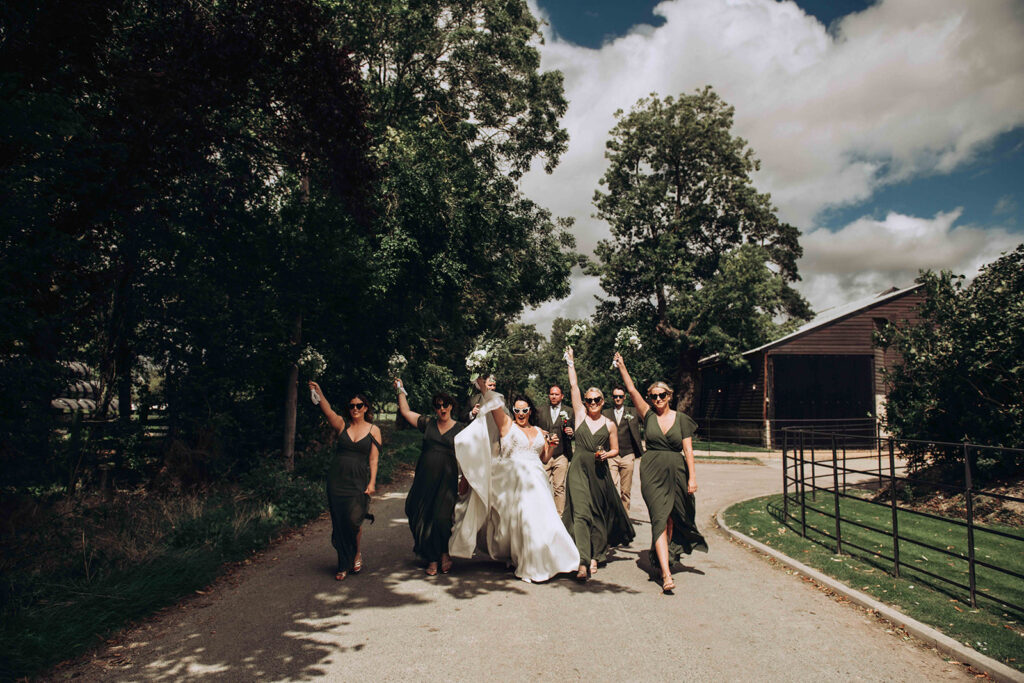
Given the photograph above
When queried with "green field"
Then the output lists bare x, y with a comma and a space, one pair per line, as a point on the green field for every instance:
727, 447
991, 629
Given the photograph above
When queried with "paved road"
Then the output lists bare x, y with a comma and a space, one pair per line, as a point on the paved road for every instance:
733, 617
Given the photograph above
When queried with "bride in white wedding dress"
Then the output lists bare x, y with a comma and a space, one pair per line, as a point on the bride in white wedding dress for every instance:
509, 511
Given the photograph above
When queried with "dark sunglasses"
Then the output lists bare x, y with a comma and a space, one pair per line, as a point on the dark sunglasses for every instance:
618, 396
439, 406
356, 406
521, 411
658, 397
592, 400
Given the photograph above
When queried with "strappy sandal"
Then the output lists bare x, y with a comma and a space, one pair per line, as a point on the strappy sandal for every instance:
431, 569
340, 576
593, 567
583, 574
357, 566
668, 585
446, 564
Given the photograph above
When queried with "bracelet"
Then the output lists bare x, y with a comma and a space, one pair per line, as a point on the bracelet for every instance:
570, 364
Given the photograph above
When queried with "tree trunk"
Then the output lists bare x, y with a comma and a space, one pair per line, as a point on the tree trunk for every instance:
687, 390
291, 400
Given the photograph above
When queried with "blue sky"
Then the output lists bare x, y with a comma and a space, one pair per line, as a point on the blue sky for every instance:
890, 132
591, 22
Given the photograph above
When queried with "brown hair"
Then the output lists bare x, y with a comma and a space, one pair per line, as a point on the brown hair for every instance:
368, 415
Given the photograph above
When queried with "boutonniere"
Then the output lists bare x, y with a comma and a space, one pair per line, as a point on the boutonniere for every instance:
562, 414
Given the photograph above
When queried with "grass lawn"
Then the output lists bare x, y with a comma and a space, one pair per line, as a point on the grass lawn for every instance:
727, 447
719, 459
990, 628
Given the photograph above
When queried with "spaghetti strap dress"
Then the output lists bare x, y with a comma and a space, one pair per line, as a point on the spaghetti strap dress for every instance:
663, 483
593, 511
430, 504
347, 479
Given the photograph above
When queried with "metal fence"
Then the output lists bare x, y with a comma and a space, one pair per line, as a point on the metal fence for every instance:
816, 480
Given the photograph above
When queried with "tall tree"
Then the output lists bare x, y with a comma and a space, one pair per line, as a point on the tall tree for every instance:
460, 110
697, 255
170, 170
962, 372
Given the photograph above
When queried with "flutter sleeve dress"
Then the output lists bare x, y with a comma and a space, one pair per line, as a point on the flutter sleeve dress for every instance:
663, 483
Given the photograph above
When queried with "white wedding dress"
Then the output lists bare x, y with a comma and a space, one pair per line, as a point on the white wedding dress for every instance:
509, 512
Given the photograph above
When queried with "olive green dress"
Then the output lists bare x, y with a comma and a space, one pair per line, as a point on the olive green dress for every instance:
430, 504
663, 483
347, 479
593, 511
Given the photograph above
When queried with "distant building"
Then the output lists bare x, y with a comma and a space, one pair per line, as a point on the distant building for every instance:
826, 374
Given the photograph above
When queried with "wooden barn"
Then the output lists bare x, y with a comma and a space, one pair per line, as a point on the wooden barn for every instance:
827, 374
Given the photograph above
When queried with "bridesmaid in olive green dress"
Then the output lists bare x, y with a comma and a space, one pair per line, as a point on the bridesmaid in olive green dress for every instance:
352, 477
593, 508
667, 477
430, 505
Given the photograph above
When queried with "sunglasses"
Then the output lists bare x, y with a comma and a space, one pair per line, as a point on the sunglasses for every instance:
356, 406
658, 397
592, 400
521, 411
618, 396
439, 406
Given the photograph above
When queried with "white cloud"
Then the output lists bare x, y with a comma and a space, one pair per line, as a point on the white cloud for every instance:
1006, 205
868, 256
580, 304
904, 88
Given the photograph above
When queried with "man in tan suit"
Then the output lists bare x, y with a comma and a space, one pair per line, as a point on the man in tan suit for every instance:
557, 418
630, 444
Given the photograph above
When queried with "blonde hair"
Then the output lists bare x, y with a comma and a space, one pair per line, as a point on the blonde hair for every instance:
661, 385
599, 392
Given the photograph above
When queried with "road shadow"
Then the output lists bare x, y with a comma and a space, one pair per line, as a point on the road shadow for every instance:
285, 617
644, 563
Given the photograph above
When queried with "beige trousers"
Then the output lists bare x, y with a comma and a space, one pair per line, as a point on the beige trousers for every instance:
621, 467
556, 469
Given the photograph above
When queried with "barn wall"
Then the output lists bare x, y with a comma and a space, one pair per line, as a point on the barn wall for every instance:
739, 395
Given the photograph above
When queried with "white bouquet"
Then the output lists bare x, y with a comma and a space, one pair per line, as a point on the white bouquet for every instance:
573, 336
311, 363
576, 333
627, 338
480, 359
396, 365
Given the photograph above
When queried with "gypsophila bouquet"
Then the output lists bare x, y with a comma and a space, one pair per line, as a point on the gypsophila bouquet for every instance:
576, 333
396, 365
311, 362
573, 336
480, 359
627, 338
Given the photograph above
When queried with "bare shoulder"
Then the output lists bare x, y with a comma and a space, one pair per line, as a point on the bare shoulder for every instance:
375, 431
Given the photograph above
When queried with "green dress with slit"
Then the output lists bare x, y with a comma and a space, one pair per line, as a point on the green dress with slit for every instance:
593, 511
430, 504
663, 483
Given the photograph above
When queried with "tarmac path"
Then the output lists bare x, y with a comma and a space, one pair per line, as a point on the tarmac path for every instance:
734, 616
